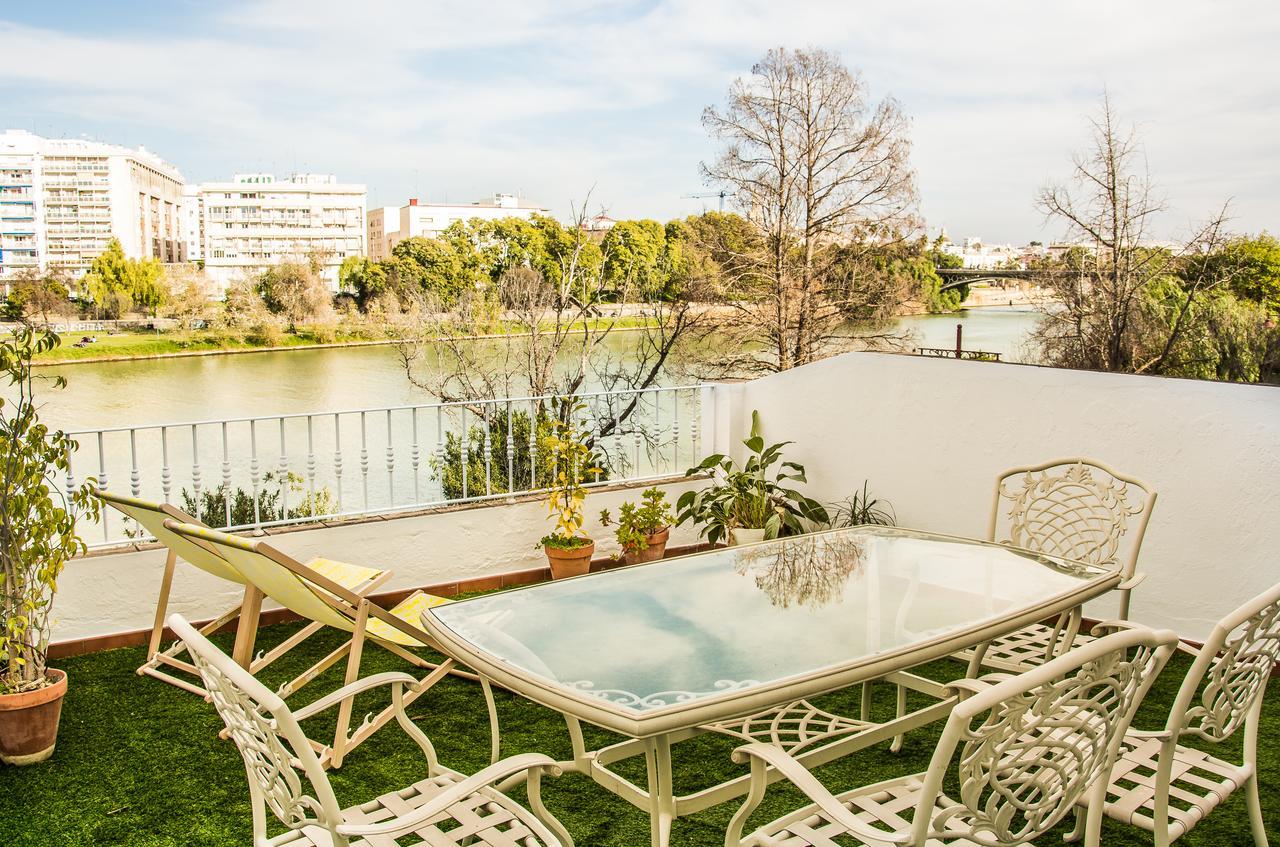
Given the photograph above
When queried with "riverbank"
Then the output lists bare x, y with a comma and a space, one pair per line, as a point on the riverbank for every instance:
130, 346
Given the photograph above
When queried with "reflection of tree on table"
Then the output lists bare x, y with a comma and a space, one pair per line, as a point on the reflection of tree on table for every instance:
808, 571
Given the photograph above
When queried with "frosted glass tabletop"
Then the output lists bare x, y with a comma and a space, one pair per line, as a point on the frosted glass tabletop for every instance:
674, 632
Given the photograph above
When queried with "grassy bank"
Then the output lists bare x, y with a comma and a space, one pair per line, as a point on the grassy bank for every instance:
150, 344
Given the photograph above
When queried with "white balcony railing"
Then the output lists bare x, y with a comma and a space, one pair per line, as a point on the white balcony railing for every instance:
243, 473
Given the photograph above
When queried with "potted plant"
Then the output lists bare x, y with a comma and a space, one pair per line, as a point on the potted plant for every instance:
753, 502
568, 550
37, 537
642, 530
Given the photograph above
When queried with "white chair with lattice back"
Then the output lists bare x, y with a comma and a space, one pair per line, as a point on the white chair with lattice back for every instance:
444, 809
1167, 788
1030, 748
1079, 509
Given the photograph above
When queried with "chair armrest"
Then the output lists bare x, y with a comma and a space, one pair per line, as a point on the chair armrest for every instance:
358, 687
785, 764
419, 816
965, 687
1102, 628
1132, 582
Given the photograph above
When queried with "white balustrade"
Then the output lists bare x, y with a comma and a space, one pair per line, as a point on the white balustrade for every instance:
637, 435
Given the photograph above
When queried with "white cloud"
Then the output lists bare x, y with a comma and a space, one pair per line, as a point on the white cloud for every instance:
555, 97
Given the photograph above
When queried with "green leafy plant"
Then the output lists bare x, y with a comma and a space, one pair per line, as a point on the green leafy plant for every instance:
637, 522
569, 448
753, 496
212, 506
37, 518
861, 510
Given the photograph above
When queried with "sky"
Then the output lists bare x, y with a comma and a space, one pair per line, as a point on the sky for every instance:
569, 102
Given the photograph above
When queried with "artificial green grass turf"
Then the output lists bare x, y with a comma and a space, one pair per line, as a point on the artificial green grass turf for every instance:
139, 762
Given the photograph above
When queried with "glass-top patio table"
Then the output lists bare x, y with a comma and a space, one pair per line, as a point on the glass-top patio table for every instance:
663, 651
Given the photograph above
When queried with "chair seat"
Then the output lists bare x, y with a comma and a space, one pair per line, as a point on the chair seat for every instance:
796, 728
343, 573
1022, 650
486, 817
1198, 783
410, 611
886, 805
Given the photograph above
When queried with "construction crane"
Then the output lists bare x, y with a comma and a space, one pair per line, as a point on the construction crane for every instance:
707, 195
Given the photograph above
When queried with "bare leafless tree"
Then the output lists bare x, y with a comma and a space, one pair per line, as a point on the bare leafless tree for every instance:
525, 335
1109, 207
814, 164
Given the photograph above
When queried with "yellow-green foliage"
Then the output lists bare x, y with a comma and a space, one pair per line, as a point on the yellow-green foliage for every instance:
567, 445
37, 518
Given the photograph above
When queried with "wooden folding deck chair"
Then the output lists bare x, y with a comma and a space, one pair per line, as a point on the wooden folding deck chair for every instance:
151, 517
314, 597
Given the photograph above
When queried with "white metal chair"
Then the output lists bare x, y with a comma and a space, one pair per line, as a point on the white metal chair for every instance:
1030, 747
313, 597
1166, 788
151, 517
1076, 508
445, 809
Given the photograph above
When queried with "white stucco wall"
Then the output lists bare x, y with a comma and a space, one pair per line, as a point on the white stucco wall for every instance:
100, 595
931, 435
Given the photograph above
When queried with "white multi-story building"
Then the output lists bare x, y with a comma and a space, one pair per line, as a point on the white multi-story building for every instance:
62, 200
390, 225
192, 223
255, 221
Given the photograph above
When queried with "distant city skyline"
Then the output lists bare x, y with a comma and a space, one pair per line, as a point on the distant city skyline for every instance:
556, 101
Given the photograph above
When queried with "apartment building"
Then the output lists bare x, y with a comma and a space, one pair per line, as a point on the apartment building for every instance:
244, 226
390, 225
62, 200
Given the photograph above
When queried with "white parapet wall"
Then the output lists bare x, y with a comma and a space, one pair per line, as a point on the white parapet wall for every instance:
931, 435
113, 593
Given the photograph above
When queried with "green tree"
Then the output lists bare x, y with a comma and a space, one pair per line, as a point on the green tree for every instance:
1253, 265
33, 295
431, 267
633, 251
296, 292
107, 281
146, 284
115, 283
715, 255
363, 277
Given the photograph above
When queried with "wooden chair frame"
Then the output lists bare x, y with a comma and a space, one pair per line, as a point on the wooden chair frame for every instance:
316, 598
151, 517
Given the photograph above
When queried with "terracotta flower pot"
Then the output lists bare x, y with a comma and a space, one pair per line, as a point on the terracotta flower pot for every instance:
29, 722
574, 562
738, 536
657, 547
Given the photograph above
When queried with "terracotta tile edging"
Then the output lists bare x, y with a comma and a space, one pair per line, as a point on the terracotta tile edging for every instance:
387, 599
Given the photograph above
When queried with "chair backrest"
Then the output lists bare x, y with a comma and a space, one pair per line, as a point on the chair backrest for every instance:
274, 573
268, 737
1229, 676
151, 517
1075, 508
1032, 745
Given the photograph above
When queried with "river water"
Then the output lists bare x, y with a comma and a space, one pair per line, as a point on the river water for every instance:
111, 394
372, 461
